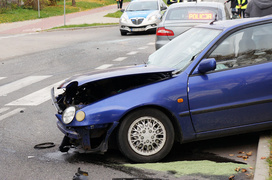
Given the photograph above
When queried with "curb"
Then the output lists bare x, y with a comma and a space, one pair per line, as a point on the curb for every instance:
262, 167
78, 28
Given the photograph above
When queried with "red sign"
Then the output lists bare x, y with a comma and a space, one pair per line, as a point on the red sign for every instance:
201, 16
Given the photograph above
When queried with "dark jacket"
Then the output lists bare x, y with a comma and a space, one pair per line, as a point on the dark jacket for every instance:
259, 8
233, 3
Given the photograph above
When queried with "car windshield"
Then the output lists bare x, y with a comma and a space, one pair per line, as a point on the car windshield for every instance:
193, 13
142, 6
179, 52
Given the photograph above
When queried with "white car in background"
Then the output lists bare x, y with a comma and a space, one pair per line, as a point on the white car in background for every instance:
142, 16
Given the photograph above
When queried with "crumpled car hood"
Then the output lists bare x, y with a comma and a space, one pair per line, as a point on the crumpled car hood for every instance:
92, 87
114, 72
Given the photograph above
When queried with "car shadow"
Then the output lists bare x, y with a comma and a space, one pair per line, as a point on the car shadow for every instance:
194, 151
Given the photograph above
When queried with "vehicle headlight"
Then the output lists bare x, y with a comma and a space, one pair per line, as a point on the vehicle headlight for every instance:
80, 115
124, 18
153, 18
68, 115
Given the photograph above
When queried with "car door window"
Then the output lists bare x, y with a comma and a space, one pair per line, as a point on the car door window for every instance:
246, 47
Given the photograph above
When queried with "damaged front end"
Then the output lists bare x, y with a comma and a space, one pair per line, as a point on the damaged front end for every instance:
82, 129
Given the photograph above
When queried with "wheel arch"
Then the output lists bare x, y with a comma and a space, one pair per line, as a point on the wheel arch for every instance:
172, 118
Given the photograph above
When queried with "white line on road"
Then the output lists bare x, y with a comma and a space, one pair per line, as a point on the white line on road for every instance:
104, 66
120, 59
3, 109
132, 53
151, 44
17, 35
2, 78
144, 47
11, 113
16, 85
35, 98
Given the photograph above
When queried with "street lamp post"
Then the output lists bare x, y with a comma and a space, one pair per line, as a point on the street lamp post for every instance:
64, 12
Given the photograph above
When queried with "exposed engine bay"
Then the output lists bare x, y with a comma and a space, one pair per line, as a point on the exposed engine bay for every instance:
100, 89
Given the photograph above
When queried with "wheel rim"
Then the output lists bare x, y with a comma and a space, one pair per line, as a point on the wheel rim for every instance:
146, 136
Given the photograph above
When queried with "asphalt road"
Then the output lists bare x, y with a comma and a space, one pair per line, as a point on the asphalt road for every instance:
31, 64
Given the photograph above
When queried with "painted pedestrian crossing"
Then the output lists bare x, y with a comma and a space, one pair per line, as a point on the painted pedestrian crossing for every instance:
10, 113
33, 99
16, 85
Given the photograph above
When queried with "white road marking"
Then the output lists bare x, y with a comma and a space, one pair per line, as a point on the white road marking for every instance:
2, 78
104, 66
144, 47
120, 59
3, 109
11, 113
16, 85
151, 43
35, 98
132, 53
17, 35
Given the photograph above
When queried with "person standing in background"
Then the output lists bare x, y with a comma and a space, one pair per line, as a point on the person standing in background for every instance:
121, 4
241, 6
118, 4
232, 6
259, 8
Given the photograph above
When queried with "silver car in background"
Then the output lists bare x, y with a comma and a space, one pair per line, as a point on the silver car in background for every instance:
180, 17
142, 16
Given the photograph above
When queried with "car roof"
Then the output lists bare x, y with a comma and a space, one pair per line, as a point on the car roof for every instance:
197, 4
226, 24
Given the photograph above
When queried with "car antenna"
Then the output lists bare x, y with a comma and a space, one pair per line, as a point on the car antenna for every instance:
215, 19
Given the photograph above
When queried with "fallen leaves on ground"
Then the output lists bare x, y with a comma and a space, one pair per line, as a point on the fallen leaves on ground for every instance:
231, 177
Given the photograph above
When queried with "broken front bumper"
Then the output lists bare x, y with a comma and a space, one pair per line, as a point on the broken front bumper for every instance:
82, 137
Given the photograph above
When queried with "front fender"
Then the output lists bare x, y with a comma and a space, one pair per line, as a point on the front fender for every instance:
113, 108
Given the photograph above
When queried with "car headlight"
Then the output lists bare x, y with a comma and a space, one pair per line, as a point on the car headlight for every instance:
68, 114
153, 18
124, 18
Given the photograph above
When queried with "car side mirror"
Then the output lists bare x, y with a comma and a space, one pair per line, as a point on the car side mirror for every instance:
205, 65
163, 8
122, 10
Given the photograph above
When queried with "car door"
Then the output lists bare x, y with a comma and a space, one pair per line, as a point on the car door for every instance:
238, 93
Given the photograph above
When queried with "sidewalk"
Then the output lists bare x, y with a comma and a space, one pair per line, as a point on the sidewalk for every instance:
88, 17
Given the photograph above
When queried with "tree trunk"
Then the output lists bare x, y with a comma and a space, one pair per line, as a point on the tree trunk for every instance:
74, 3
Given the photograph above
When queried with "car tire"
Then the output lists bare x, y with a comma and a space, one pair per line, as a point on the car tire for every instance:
146, 135
123, 33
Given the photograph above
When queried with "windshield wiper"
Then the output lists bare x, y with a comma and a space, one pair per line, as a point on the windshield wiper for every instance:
179, 70
193, 57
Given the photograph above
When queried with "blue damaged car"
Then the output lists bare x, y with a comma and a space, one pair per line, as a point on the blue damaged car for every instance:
142, 16
213, 80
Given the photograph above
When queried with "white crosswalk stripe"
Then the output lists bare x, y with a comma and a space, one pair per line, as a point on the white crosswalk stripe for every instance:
32, 99
3, 109
16, 85
36, 98
11, 113
104, 66
120, 59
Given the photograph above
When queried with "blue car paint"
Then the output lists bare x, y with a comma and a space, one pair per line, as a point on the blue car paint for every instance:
114, 72
204, 101
158, 94
138, 14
